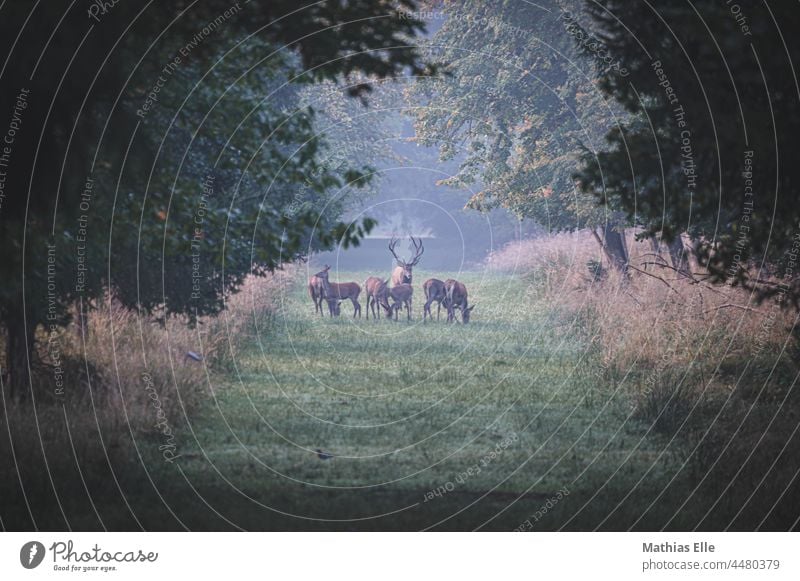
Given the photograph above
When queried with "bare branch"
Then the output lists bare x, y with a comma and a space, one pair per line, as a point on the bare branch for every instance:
681, 272
655, 277
732, 306
654, 255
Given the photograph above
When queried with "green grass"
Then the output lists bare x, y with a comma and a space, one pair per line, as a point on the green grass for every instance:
509, 421
405, 408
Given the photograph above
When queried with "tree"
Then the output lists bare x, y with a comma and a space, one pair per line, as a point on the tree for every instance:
711, 143
519, 104
82, 98
249, 182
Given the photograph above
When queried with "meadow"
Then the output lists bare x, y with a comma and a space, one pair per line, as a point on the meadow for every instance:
550, 410
496, 417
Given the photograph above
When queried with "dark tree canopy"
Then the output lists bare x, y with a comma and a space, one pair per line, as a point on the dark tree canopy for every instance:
711, 149
132, 121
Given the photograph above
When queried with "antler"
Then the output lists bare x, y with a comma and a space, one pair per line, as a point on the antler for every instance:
418, 250
392, 244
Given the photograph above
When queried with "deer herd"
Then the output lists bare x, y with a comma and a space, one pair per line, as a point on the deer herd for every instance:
450, 294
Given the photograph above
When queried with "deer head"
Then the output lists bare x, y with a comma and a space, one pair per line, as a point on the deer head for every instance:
406, 267
465, 314
323, 274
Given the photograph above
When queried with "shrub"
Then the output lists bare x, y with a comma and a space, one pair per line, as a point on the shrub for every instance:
129, 387
695, 361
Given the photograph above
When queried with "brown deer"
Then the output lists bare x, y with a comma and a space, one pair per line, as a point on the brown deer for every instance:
435, 291
401, 296
334, 307
402, 272
457, 299
377, 290
316, 288
338, 292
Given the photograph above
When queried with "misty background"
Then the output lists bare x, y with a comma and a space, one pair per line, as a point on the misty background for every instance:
407, 200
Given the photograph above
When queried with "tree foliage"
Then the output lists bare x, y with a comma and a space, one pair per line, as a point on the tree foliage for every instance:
115, 147
518, 105
710, 146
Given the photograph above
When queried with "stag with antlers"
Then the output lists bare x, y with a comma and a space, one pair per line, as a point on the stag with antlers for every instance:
402, 272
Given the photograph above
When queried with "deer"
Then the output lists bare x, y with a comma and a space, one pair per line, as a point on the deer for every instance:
402, 272
435, 291
335, 293
316, 288
377, 290
334, 307
457, 299
401, 295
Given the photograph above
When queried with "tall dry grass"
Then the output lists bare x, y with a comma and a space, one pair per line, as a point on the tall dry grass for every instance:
128, 385
705, 364
653, 316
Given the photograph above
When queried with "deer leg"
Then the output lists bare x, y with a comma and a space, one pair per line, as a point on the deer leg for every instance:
356, 308
368, 305
438, 310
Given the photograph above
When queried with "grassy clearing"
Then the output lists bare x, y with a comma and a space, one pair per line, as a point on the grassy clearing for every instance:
562, 405
430, 425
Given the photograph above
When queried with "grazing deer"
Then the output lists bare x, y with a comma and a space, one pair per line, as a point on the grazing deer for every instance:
377, 290
402, 272
457, 299
316, 288
334, 307
335, 293
400, 295
435, 291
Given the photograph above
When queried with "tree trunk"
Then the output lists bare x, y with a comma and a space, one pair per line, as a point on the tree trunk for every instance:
614, 247
655, 244
19, 348
679, 257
